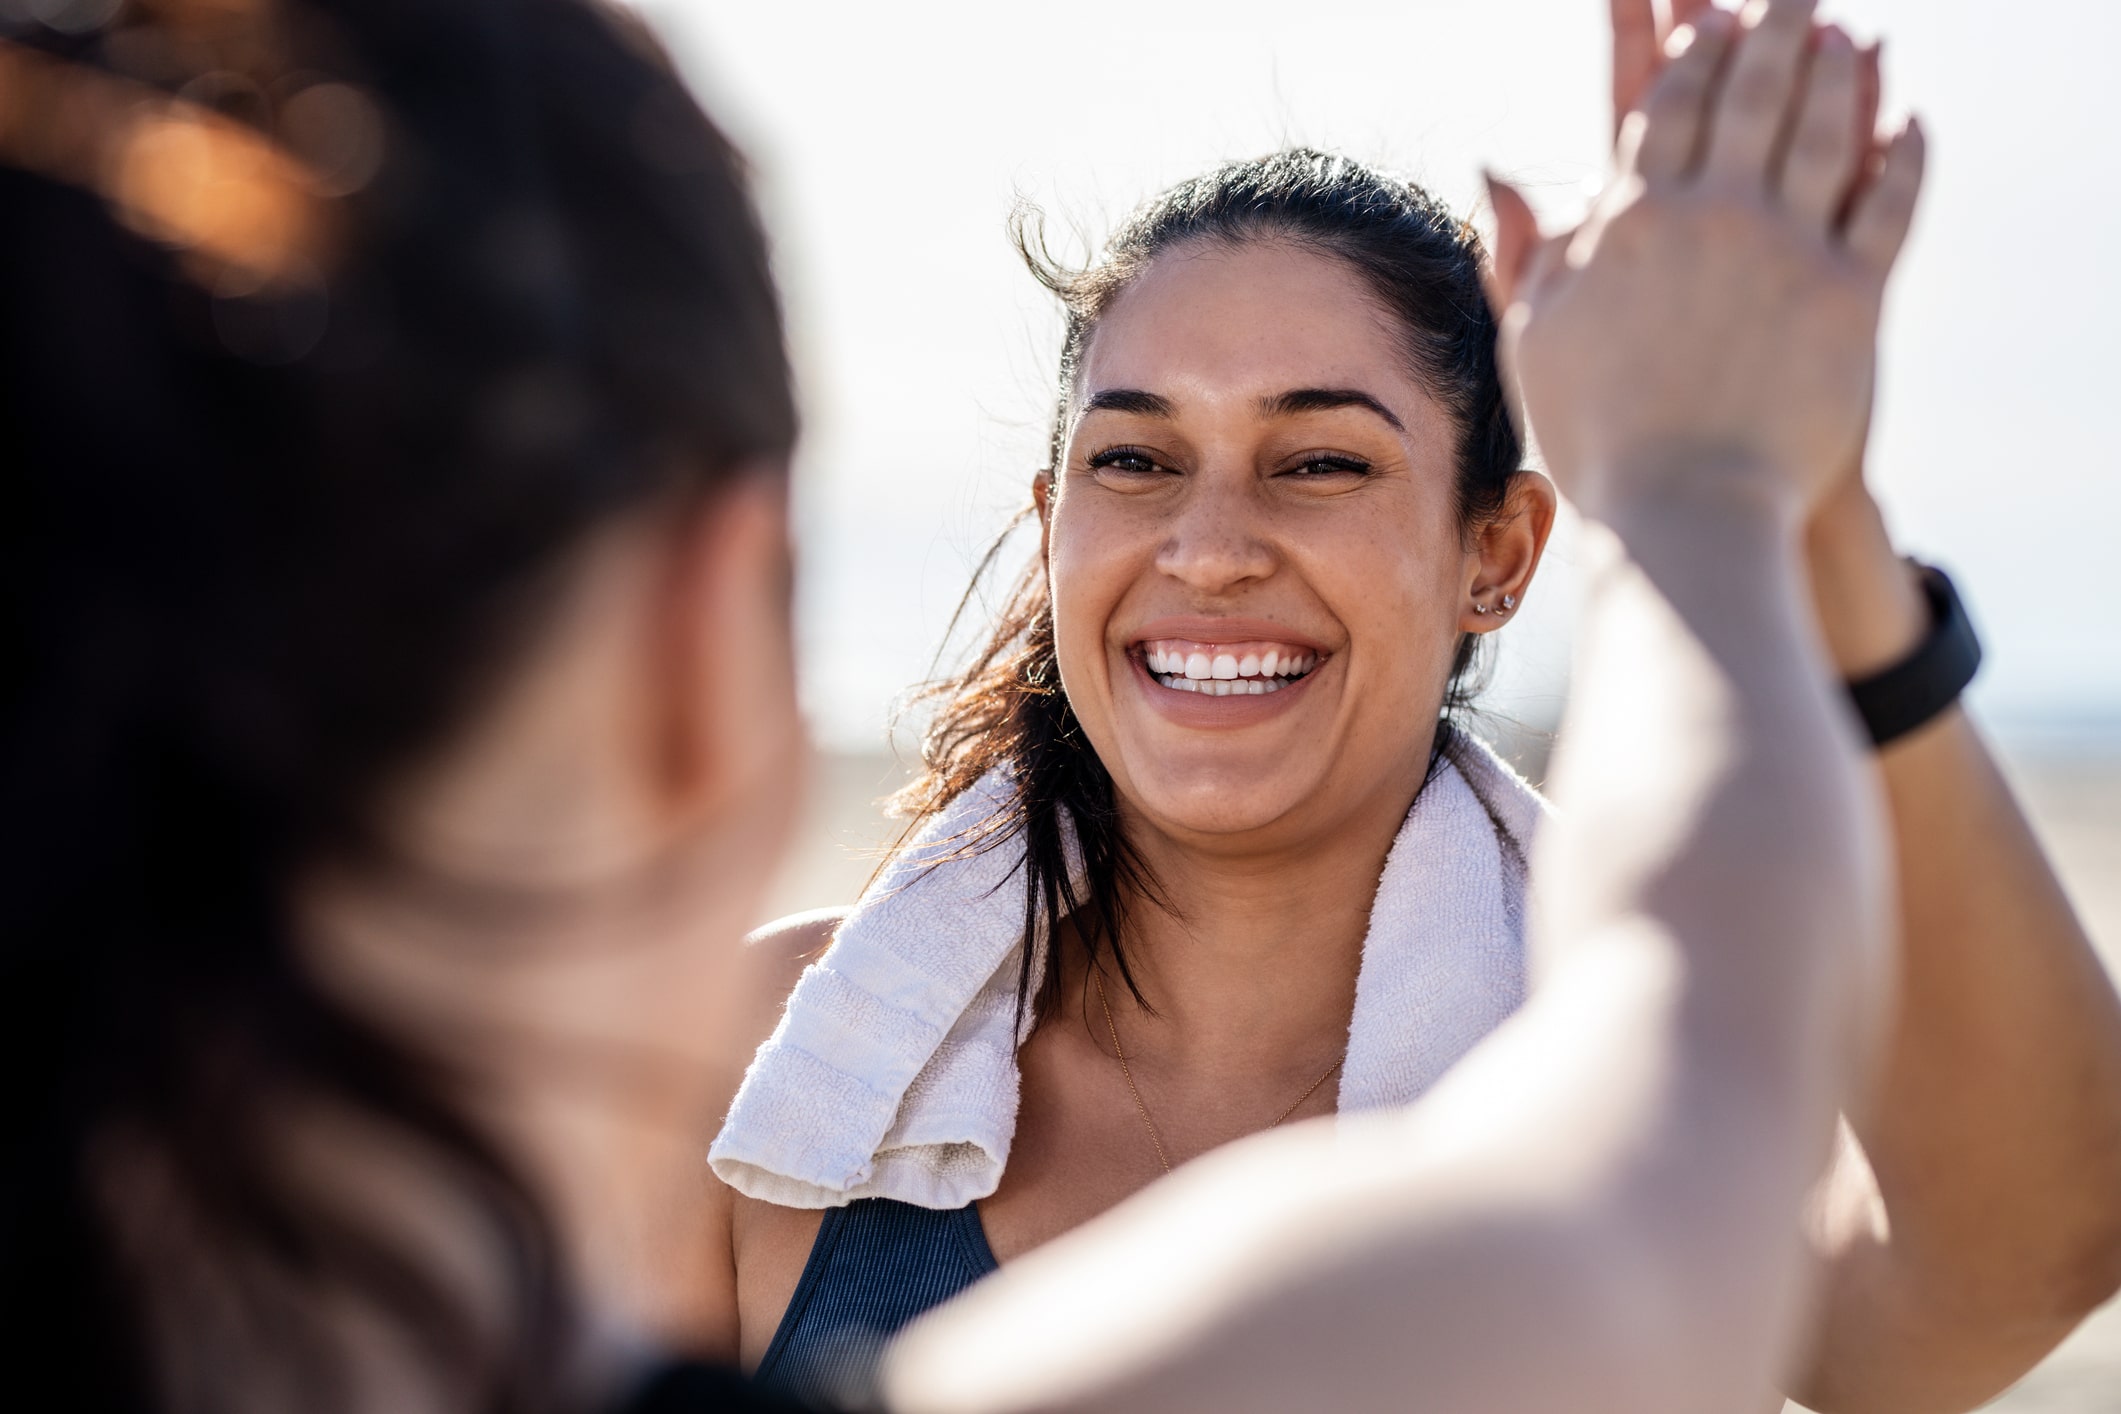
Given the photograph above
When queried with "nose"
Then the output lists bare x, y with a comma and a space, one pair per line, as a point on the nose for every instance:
1216, 539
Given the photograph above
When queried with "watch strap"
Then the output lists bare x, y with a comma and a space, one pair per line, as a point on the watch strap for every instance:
1898, 699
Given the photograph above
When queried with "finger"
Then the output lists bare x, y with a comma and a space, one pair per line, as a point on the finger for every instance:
1516, 237
1878, 226
1870, 147
1635, 55
1754, 104
1685, 12
1870, 91
1822, 158
1668, 140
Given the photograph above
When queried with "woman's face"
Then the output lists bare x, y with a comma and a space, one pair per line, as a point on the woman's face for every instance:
1258, 574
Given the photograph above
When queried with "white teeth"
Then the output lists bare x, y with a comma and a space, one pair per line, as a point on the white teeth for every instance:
1222, 674
1222, 687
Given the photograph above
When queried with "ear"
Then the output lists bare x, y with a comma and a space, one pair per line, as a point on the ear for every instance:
719, 666
1505, 554
1042, 500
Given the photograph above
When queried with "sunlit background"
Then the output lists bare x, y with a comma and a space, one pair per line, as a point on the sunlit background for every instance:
891, 142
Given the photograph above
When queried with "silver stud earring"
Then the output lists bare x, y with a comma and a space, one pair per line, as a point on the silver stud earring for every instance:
1509, 601
1480, 608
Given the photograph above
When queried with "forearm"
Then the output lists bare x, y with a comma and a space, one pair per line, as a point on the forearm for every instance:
1772, 894
1995, 1130
1999, 1115
1708, 765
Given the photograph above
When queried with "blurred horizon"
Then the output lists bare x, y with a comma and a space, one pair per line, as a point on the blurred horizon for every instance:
891, 144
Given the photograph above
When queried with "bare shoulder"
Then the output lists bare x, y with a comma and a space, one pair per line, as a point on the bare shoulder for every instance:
772, 960
765, 1246
775, 956
801, 935
752, 1252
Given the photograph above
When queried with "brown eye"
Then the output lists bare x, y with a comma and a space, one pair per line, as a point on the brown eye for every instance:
1329, 466
1131, 461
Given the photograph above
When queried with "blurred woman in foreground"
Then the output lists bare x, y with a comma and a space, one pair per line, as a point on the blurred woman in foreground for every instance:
395, 588
400, 714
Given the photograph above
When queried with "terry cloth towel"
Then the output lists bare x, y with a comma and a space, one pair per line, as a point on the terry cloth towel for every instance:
893, 1072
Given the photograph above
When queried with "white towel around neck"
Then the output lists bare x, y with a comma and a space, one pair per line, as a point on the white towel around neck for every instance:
893, 1071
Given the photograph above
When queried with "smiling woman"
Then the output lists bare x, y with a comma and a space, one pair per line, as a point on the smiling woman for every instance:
1285, 503
1279, 429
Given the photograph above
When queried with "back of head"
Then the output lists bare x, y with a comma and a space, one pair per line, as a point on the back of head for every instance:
327, 329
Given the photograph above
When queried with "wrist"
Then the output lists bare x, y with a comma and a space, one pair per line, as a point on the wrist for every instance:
1905, 696
1867, 600
1650, 495
1700, 541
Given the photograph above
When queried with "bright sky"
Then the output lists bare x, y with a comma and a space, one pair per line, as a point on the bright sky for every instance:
891, 140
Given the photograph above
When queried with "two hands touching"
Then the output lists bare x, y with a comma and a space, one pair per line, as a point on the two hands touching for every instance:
1751, 181
1753, 211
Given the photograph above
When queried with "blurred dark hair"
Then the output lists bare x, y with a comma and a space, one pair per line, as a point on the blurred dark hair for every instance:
275, 517
1008, 708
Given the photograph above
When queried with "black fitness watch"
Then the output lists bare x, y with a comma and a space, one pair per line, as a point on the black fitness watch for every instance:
1898, 699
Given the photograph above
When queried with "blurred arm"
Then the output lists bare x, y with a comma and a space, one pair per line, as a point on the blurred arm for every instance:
1597, 1210
1995, 1132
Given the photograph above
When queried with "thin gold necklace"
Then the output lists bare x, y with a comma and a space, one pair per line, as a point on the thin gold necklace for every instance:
1134, 1090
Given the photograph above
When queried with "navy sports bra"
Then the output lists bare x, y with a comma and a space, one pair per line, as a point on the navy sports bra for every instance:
877, 1263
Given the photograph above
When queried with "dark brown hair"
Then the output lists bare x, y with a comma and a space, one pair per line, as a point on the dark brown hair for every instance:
1007, 708
269, 534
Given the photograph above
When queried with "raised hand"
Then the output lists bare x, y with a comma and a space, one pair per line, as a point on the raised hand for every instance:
1639, 41
1718, 310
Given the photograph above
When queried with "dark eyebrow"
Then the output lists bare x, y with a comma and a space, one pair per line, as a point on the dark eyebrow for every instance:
1324, 400
1132, 400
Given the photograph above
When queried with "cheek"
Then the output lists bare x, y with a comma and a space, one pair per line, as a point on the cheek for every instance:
1090, 562
1393, 579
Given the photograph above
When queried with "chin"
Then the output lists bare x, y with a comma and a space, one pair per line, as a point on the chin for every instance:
1216, 798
